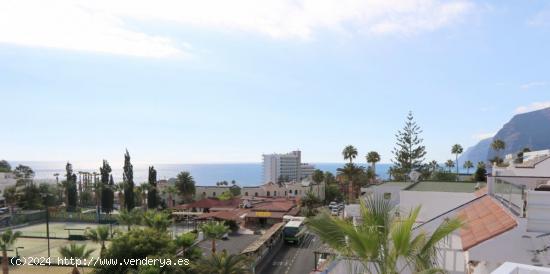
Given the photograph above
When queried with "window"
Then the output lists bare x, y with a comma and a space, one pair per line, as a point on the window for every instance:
256, 194
285, 193
246, 194
387, 195
214, 194
268, 194
275, 193
295, 192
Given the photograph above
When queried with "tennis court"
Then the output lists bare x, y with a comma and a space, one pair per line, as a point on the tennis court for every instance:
38, 247
62, 229
57, 229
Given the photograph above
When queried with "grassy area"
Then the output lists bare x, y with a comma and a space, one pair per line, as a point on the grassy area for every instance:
467, 187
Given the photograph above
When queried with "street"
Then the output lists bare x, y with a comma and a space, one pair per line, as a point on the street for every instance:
295, 259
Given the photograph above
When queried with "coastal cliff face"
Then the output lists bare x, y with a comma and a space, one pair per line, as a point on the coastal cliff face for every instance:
531, 130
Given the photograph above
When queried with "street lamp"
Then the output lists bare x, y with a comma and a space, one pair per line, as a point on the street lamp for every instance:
45, 196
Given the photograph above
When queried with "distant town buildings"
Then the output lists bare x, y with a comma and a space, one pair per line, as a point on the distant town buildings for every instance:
285, 167
286, 189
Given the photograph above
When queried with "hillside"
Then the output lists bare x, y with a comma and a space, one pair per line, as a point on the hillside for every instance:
531, 130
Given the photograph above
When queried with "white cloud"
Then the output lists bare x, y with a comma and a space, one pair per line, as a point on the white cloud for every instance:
102, 26
483, 135
66, 24
540, 19
531, 85
532, 107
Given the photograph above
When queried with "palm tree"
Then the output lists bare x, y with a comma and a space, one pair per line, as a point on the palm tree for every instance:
497, 145
214, 230
185, 241
10, 196
119, 189
350, 172
186, 185
449, 164
129, 218
223, 263
481, 164
171, 191
99, 235
372, 158
383, 242
433, 166
7, 240
349, 153
157, 220
456, 150
74, 251
467, 165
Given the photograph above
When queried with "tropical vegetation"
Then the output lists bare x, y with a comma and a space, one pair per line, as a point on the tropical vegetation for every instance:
384, 242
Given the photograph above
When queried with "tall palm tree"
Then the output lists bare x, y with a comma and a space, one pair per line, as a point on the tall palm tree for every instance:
350, 172
172, 192
74, 251
7, 240
497, 145
372, 158
433, 166
186, 185
159, 221
456, 150
383, 242
467, 165
481, 164
214, 230
119, 189
99, 235
129, 218
349, 153
449, 164
223, 263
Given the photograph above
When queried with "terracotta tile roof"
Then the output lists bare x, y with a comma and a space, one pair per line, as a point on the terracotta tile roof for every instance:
484, 219
280, 206
233, 215
480, 192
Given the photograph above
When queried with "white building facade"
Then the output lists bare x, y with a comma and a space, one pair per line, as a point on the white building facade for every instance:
285, 167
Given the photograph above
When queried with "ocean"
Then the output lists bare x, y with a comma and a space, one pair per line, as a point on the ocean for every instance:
245, 174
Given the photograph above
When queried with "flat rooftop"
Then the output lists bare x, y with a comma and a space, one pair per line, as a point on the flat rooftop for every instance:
234, 245
392, 184
466, 187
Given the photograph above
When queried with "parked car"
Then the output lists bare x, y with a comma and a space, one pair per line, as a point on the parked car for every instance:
332, 205
335, 212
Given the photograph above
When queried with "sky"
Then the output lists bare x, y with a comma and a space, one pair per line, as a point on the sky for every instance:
177, 81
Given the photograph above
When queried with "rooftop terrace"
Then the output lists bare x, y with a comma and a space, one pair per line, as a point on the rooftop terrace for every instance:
466, 187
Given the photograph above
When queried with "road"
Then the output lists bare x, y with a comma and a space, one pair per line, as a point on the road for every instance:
295, 259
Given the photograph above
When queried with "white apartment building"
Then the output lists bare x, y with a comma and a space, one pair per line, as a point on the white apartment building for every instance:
285, 167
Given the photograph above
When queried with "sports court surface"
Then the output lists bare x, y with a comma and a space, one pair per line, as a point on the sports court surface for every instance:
62, 229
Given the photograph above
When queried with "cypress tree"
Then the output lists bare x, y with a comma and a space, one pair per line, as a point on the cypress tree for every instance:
128, 177
72, 193
152, 199
408, 152
106, 190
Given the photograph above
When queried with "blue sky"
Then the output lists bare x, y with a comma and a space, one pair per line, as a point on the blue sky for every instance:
181, 82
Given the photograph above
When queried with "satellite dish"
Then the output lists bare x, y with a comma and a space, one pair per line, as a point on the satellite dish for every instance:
414, 176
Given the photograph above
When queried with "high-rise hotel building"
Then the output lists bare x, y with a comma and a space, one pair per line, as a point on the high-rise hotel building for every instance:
285, 167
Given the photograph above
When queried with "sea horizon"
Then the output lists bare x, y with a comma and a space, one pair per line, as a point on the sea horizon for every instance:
245, 174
